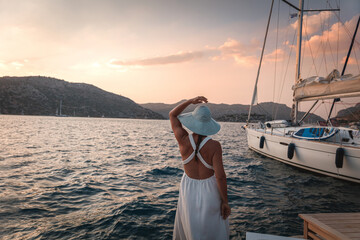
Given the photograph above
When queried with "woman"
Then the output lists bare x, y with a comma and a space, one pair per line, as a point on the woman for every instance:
203, 207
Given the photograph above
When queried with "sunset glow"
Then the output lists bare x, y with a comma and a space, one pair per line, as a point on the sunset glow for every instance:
164, 51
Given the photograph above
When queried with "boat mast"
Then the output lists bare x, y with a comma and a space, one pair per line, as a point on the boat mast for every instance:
254, 97
294, 110
298, 58
60, 107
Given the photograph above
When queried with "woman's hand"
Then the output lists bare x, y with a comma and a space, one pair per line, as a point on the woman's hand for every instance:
176, 126
225, 210
199, 99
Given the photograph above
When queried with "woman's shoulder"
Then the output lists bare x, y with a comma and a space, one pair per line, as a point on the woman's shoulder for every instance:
214, 144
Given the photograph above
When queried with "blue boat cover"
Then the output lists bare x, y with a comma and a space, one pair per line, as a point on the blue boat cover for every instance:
315, 133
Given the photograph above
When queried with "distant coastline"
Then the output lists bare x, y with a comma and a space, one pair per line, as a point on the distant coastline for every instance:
236, 112
46, 96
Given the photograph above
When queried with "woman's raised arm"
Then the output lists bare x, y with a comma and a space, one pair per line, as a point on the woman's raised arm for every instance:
176, 125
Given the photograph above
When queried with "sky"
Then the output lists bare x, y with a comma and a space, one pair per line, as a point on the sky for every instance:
168, 50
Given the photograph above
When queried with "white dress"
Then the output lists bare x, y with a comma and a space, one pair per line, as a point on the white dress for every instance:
198, 210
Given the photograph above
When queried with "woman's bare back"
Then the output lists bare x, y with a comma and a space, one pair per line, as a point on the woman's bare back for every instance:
195, 168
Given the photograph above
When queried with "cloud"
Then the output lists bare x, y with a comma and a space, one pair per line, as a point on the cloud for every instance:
351, 61
312, 23
337, 36
277, 55
243, 54
14, 64
170, 59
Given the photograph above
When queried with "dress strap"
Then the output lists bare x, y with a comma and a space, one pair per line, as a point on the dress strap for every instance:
189, 158
191, 138
203, 142
199, 155
192, 155
204, 162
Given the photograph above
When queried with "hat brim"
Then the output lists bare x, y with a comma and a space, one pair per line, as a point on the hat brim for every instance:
202, 128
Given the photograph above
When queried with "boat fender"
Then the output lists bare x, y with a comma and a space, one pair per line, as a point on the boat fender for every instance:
291, 150
339, 158
262, 140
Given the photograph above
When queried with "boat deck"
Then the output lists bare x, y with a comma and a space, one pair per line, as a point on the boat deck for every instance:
337, 139
331, 226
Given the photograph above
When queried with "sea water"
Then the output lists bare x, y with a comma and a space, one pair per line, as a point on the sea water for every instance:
98, 178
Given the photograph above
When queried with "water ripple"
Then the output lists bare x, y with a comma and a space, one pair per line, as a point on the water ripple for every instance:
84, 178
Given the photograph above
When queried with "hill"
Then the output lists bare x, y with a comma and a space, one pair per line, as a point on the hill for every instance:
37, 95
235, 112
348, 115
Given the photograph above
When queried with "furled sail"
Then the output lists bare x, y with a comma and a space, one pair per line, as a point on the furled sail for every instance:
333, 86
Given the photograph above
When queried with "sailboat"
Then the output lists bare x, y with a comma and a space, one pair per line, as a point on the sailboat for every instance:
59, 114
324, 149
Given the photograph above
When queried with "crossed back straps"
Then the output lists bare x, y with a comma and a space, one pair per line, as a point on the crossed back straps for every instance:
192, 155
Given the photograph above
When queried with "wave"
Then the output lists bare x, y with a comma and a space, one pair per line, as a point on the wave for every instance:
165, 171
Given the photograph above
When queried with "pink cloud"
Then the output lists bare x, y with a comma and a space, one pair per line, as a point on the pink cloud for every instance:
170, 59
328, 40
312, 23
351, 61
243, 54
277, 55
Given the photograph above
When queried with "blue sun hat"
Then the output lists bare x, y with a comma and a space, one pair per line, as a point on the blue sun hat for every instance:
200, 121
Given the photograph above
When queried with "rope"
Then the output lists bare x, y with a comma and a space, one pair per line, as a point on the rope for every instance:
346, 30
328, 43
347, 109
267, 113
323, 45
262, 54
312, 55
283, 81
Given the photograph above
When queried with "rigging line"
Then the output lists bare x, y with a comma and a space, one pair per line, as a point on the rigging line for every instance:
286, 42
283, 68
308, 42
331, 51
287, 67
317, 107
276, 47
324, 44
346, 30
267, 113
326, 110
347, 109
262, 54
356, 59
351, 46
349, 103
317, 56
312, 55
321, 45
328, 42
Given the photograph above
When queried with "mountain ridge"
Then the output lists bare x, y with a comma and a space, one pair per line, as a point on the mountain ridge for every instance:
235, 112
39, 95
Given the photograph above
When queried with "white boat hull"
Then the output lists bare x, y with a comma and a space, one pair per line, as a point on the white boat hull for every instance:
316, 156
